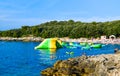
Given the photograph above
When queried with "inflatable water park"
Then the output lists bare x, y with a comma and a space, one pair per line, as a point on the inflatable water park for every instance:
54, 43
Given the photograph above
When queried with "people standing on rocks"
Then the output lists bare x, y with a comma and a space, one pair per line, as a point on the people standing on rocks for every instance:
116, 51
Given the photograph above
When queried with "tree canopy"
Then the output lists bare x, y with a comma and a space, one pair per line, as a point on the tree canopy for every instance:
70, 28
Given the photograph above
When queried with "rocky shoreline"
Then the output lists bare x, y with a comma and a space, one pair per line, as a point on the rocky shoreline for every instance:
100, 65
38, 39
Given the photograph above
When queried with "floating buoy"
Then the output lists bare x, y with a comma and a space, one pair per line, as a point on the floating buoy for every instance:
67, 52
70, 53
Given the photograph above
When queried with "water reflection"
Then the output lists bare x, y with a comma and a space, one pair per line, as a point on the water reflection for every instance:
51, 53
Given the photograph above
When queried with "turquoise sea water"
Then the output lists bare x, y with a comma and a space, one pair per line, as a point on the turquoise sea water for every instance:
20, 58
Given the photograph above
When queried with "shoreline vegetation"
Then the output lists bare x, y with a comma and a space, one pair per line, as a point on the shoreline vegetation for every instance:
65, 39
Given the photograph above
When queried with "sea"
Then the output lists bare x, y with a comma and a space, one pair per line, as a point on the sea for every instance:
19, 58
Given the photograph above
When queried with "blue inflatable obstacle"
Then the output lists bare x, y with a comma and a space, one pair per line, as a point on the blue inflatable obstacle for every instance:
68, 45
65, 44
87, 47
74, 45
82, 45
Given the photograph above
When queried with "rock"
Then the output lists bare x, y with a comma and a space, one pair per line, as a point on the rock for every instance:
117, 51
102, 65
37, 39
48, 72
57, 63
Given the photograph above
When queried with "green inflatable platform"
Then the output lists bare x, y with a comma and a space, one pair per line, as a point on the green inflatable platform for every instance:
50, 43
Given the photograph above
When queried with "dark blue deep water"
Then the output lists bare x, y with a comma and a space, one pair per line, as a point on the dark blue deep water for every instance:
20, 58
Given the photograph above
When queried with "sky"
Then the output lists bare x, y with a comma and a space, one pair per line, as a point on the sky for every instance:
17, 13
